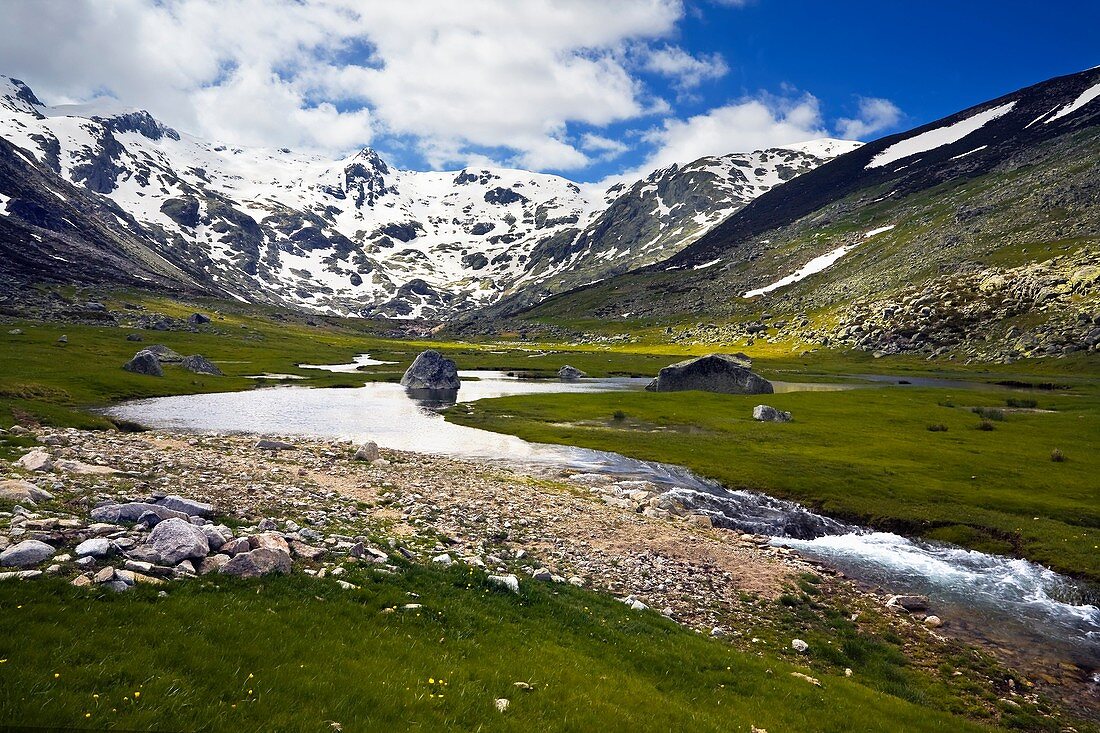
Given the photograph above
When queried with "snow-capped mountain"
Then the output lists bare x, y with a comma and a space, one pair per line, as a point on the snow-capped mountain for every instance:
357, 235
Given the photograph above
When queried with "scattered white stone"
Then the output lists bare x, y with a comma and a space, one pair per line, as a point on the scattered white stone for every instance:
799, 646
95, 547
510, 582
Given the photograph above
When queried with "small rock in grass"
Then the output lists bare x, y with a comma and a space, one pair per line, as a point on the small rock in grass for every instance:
266, 444
767, 413
799, 646
509, 582
933, 622
502, 704
367, 452
812, 680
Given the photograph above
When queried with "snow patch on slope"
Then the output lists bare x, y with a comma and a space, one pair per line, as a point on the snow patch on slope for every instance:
1086, 96
939, 137
816, 265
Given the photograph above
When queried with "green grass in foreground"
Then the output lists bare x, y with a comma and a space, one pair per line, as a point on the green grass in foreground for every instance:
864, 454
299, 654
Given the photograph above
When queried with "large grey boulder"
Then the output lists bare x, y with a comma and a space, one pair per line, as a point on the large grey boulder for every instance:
568, 372
23, 492
188, 506
25, 554
256, 563
767, 413
95, 547
725, 373
175, 540
431, 370
144, 362
37, 460
199, 364
132, 512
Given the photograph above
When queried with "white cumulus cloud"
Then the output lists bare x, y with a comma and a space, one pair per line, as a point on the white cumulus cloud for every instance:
875, 115
686, 70
334, 74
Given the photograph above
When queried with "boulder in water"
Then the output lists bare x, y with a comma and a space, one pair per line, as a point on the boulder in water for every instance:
432, 371
725, 373
199, 364
144, 362
570, 372
767, 413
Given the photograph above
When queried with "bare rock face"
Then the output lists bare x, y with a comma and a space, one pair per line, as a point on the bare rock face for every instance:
199, 364
432, 371
26, 553
144, 362
258, 562
568, 372
175, 540
23, 491
38, 461
767, 413
725, 373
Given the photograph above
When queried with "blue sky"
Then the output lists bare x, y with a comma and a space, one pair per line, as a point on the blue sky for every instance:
590, 90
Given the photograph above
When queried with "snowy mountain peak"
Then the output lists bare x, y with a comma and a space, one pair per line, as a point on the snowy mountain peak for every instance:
359, 236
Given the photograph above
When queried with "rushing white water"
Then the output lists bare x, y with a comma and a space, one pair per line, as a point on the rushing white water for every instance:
1030, 601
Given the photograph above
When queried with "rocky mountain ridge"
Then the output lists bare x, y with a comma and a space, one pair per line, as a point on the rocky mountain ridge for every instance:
975, 236
350, 236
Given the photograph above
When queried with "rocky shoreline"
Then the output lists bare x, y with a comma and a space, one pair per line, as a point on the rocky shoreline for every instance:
118, 509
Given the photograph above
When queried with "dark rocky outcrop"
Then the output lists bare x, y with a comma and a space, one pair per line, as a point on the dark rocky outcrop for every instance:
199, 364
570, 372
144, 362
726, 373
431, 371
